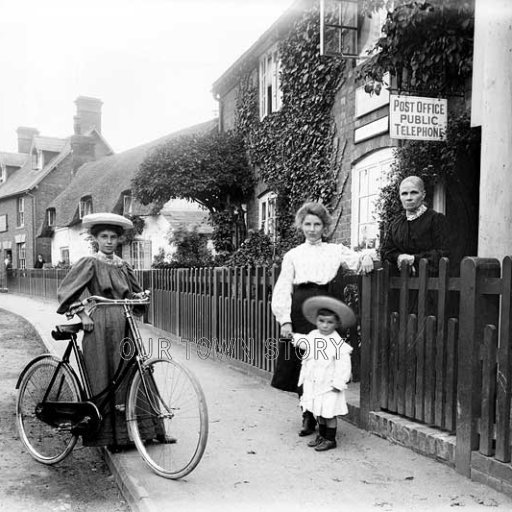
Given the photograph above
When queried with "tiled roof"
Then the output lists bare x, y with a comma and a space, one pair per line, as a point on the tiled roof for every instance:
13, 159
106, 179
49, 144
26, 178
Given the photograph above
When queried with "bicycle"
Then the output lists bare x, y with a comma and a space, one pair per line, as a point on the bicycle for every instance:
165, 409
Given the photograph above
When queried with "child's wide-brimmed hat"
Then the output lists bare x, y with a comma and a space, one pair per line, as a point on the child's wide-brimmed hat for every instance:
108, 219
311, 306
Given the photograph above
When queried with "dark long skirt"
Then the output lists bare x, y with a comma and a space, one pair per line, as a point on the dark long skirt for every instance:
287, 370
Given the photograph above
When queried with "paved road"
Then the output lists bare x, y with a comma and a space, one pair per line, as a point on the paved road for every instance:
81, 483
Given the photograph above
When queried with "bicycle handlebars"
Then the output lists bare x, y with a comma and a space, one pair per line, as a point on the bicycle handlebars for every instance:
99, 300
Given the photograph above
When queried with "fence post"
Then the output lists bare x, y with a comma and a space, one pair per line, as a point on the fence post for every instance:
367, 395
475, 310
178, 301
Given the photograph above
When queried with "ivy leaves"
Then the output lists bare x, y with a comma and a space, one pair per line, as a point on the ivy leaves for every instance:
293, 147
427, 45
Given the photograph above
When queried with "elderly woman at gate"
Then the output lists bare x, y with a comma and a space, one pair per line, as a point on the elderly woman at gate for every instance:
306, 271
419, 232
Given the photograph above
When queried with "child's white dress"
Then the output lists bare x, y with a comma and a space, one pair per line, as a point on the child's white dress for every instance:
325, 364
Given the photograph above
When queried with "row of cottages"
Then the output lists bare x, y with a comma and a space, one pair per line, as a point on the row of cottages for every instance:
362, 129
50, 184
31, 178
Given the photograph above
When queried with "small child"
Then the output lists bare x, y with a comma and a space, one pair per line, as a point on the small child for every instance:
326, 366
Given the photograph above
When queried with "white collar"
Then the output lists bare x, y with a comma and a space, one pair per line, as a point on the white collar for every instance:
418, 213
116, 261
318, 242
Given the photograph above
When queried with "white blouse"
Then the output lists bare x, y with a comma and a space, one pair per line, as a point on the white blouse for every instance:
309, 263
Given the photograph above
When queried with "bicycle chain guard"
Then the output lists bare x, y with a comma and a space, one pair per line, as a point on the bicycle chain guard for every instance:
77, 417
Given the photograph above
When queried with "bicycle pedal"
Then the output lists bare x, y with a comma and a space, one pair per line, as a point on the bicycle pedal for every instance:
120, 408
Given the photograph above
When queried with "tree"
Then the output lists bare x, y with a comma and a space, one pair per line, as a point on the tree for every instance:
211, 169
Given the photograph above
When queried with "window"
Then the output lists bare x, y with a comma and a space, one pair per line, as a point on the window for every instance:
368, 177
140, 254
22, 255
37, 160
267, 208
270, 91
64, 256
3, 223
3, 173
85, 206
50, 217
20, 212
127, 204
370, 32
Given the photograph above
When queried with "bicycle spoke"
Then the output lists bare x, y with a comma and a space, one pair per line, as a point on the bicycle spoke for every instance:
174, 411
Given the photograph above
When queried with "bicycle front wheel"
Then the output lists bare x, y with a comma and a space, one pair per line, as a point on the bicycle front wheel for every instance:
47, 444
167, 417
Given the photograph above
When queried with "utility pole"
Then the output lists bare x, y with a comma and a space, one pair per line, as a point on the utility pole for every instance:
492, 110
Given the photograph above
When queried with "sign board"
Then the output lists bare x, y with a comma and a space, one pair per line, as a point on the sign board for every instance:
413, 117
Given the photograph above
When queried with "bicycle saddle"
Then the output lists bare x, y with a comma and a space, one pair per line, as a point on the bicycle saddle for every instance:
64, 332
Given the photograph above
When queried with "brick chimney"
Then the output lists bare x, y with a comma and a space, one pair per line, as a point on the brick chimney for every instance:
88, 114
25, 136
82, 149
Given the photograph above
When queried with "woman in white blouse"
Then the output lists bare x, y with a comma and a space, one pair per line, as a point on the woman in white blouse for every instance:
306, 271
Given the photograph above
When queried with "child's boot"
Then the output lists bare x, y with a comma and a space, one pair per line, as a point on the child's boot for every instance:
320, 437
308, 424
329, 442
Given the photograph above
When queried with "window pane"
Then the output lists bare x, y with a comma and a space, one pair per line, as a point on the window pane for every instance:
363, 210
349, 13
363, 182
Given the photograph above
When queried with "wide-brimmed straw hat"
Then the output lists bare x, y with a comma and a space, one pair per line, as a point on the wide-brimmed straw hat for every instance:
109, 219
311, 306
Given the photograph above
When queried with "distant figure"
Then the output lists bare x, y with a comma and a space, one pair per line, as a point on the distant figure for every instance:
7, 263
40, 261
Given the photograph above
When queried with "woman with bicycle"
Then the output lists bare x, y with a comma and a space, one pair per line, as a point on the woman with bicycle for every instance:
105, 274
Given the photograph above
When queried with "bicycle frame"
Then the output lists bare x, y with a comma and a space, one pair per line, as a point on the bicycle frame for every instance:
122, 371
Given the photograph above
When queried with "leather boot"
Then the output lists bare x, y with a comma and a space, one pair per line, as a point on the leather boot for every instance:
308, 424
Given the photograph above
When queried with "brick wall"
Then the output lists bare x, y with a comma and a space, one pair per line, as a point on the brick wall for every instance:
49, 188
36, 203
9, 206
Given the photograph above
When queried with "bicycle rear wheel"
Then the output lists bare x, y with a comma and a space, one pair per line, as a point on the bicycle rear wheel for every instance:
45, 443
169, 422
